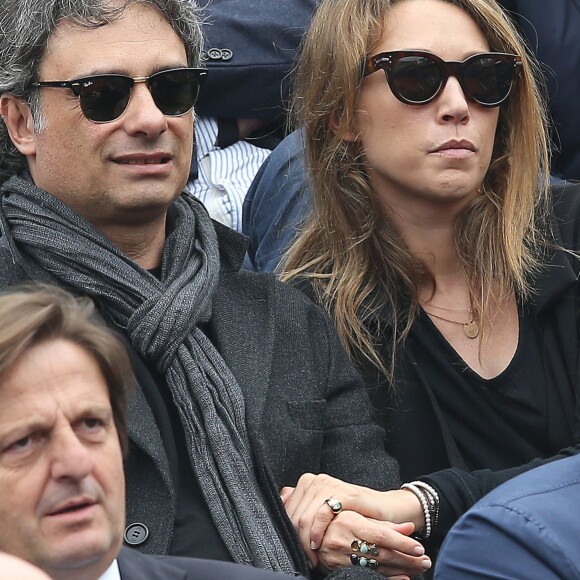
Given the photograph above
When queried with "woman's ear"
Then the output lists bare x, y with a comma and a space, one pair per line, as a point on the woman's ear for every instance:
18, 119
346, 133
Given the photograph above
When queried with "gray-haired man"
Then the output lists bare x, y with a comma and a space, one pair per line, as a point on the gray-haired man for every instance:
242, 383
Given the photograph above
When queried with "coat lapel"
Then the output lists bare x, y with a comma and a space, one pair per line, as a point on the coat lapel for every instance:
144, 432
238, 321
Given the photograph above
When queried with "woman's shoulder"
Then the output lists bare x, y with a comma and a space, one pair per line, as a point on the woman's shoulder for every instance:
565, 198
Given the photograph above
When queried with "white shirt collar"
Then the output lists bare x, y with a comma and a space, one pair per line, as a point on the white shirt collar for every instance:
112, 572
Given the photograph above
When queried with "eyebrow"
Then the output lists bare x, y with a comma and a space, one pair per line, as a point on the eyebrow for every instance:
99, 409
36, 423
23, 426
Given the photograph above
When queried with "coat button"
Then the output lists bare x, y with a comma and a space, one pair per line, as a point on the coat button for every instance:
214, 54
136, 534
227, 54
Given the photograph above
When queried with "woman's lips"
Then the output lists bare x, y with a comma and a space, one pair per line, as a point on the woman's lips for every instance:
455, 149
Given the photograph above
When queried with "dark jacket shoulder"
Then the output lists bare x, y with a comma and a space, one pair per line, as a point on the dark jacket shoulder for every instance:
134, 565
565, 199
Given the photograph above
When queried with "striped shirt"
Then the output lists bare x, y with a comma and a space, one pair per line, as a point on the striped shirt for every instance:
224, 175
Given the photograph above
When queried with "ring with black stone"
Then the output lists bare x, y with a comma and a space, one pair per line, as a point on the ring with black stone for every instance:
364, 562
364, 547
334, 505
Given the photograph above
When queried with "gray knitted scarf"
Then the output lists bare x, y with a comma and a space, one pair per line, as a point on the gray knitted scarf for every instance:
162, 317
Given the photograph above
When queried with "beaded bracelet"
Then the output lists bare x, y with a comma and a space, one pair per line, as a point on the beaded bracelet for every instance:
433, 498
422, 497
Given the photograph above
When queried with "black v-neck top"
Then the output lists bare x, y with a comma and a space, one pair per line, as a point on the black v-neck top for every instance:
500, 422
443, 414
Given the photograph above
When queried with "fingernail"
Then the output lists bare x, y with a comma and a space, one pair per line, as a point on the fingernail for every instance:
419, 550
426, 564
313, 546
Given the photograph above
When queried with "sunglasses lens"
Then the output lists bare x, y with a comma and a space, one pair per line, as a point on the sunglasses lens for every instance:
488, 79
175, 91
415, 79
104, 98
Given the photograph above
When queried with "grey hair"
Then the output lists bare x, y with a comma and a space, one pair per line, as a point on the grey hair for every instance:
26, 27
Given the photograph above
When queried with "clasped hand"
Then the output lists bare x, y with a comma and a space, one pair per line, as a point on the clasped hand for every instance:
367, 515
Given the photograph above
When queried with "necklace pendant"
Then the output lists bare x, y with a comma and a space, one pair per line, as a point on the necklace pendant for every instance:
471, 329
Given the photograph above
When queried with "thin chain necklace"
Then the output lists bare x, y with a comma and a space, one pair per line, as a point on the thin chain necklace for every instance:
447, 309
470, 328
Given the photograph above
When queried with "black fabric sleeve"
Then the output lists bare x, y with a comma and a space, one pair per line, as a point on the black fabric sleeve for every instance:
459, 490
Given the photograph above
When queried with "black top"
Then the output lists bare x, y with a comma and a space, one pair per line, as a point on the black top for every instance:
487, 423
470, 434
500, 422
195, 533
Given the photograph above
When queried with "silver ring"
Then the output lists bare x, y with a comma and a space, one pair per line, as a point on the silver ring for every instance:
334, 505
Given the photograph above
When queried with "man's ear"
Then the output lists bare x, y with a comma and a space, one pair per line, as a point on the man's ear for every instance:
348, 134
17, 116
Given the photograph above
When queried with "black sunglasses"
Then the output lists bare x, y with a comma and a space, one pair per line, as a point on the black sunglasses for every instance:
104, 98
417, 77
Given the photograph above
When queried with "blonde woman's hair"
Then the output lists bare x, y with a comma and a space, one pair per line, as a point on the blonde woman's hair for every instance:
354, 258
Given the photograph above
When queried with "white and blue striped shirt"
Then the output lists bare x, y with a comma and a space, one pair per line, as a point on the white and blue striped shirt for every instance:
224, 175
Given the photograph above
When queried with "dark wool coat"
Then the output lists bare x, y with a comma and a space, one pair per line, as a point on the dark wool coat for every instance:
307, 409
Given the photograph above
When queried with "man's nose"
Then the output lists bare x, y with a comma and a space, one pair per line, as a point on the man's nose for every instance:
70, 457
142, 114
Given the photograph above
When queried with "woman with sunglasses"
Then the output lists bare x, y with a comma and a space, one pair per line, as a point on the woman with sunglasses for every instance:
438, 248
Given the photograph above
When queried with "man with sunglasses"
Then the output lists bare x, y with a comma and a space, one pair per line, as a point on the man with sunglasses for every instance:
242, 383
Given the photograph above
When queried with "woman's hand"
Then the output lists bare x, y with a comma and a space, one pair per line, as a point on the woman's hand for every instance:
312, 517
394, 552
